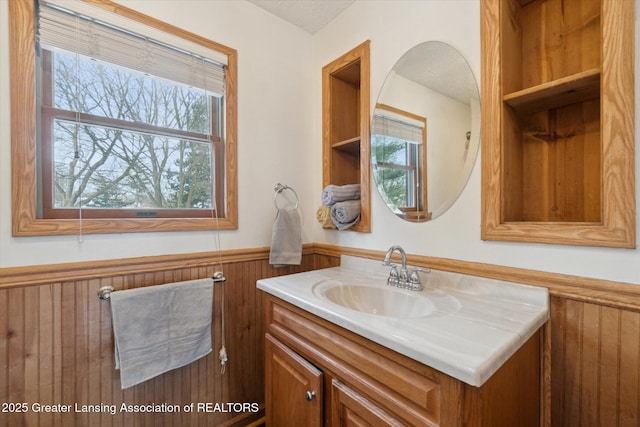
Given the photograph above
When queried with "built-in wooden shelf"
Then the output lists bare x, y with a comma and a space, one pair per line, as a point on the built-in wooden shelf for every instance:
558, 122
345, 126
557, 93
351, 145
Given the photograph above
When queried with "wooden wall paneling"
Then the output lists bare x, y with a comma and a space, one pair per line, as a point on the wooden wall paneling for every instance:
589, 368
558, 355
31, 351
105, 356
609, 348
57, 347
595, 365
16, 360
629, 364
4, 359
325, 261
56, 342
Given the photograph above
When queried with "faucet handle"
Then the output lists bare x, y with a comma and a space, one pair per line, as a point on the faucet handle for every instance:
414, 278
420, 269
393, 280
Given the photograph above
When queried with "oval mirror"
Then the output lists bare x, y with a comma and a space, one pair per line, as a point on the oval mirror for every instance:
425, 131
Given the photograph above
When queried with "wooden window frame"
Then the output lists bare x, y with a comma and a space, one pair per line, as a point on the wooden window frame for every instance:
25, 221
420, 174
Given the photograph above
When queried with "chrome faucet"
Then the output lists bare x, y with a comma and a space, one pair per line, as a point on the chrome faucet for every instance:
396, 278
402, 278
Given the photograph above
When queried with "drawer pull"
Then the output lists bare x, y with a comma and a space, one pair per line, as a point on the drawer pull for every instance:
310, 395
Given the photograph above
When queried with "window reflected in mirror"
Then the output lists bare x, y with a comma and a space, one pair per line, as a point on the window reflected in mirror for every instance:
399, 140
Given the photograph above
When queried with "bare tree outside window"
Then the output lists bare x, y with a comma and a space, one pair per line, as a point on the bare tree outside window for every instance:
121, 139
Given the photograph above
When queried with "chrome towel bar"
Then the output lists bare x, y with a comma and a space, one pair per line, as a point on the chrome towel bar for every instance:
104, 293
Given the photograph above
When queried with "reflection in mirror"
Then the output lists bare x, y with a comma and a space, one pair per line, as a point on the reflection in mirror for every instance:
399, 140
425, 131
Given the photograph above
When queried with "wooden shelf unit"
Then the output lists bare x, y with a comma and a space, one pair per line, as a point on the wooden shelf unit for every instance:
558, 122
346, 126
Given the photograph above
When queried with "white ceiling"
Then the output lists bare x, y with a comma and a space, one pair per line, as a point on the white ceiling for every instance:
441, 68
310, 15
438, 70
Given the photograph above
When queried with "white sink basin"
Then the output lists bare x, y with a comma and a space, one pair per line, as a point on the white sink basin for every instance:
361, 294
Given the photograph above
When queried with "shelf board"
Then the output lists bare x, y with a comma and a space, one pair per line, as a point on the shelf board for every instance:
568, 90
351, 145
349, 74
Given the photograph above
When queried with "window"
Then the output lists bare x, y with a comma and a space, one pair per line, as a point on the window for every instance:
132, 126
399, 158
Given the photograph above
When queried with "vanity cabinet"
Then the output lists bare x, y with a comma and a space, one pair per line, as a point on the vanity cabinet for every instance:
558, 121
294, 388
346, 126
326, 375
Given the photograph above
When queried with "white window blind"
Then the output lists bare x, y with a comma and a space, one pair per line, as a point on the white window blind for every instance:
397, 126
96, 33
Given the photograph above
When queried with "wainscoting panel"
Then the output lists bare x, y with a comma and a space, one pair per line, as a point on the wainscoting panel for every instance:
56, 343
595, 365
56, 348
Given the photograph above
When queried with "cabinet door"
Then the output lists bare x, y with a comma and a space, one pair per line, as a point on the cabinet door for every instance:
293, 388
350, 409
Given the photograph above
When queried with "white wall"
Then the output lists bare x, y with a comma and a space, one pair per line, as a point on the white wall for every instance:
279, 140
275, 128
394, 27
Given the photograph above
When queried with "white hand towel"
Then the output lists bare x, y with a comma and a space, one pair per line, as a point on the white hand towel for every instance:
333, 194
286, 239
160, 328
345, 214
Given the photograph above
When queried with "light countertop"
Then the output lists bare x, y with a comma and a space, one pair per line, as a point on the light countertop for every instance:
474, 326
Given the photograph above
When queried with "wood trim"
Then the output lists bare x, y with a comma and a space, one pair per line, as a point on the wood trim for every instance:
596, 291
160, 25
43, 274
23, 144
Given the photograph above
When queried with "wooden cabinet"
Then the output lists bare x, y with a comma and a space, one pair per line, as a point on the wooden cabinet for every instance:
293, 388
558, 121
345, 126
365, 384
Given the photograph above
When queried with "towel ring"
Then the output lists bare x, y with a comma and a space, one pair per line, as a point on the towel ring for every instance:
279, 188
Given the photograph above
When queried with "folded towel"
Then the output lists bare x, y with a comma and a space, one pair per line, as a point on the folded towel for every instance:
286, 239
332, 194
345, 214
160, 328
323, 215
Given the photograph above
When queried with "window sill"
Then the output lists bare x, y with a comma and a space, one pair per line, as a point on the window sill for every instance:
50, 227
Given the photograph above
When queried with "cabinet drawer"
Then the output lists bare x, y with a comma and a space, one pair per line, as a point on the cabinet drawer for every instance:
351, 409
